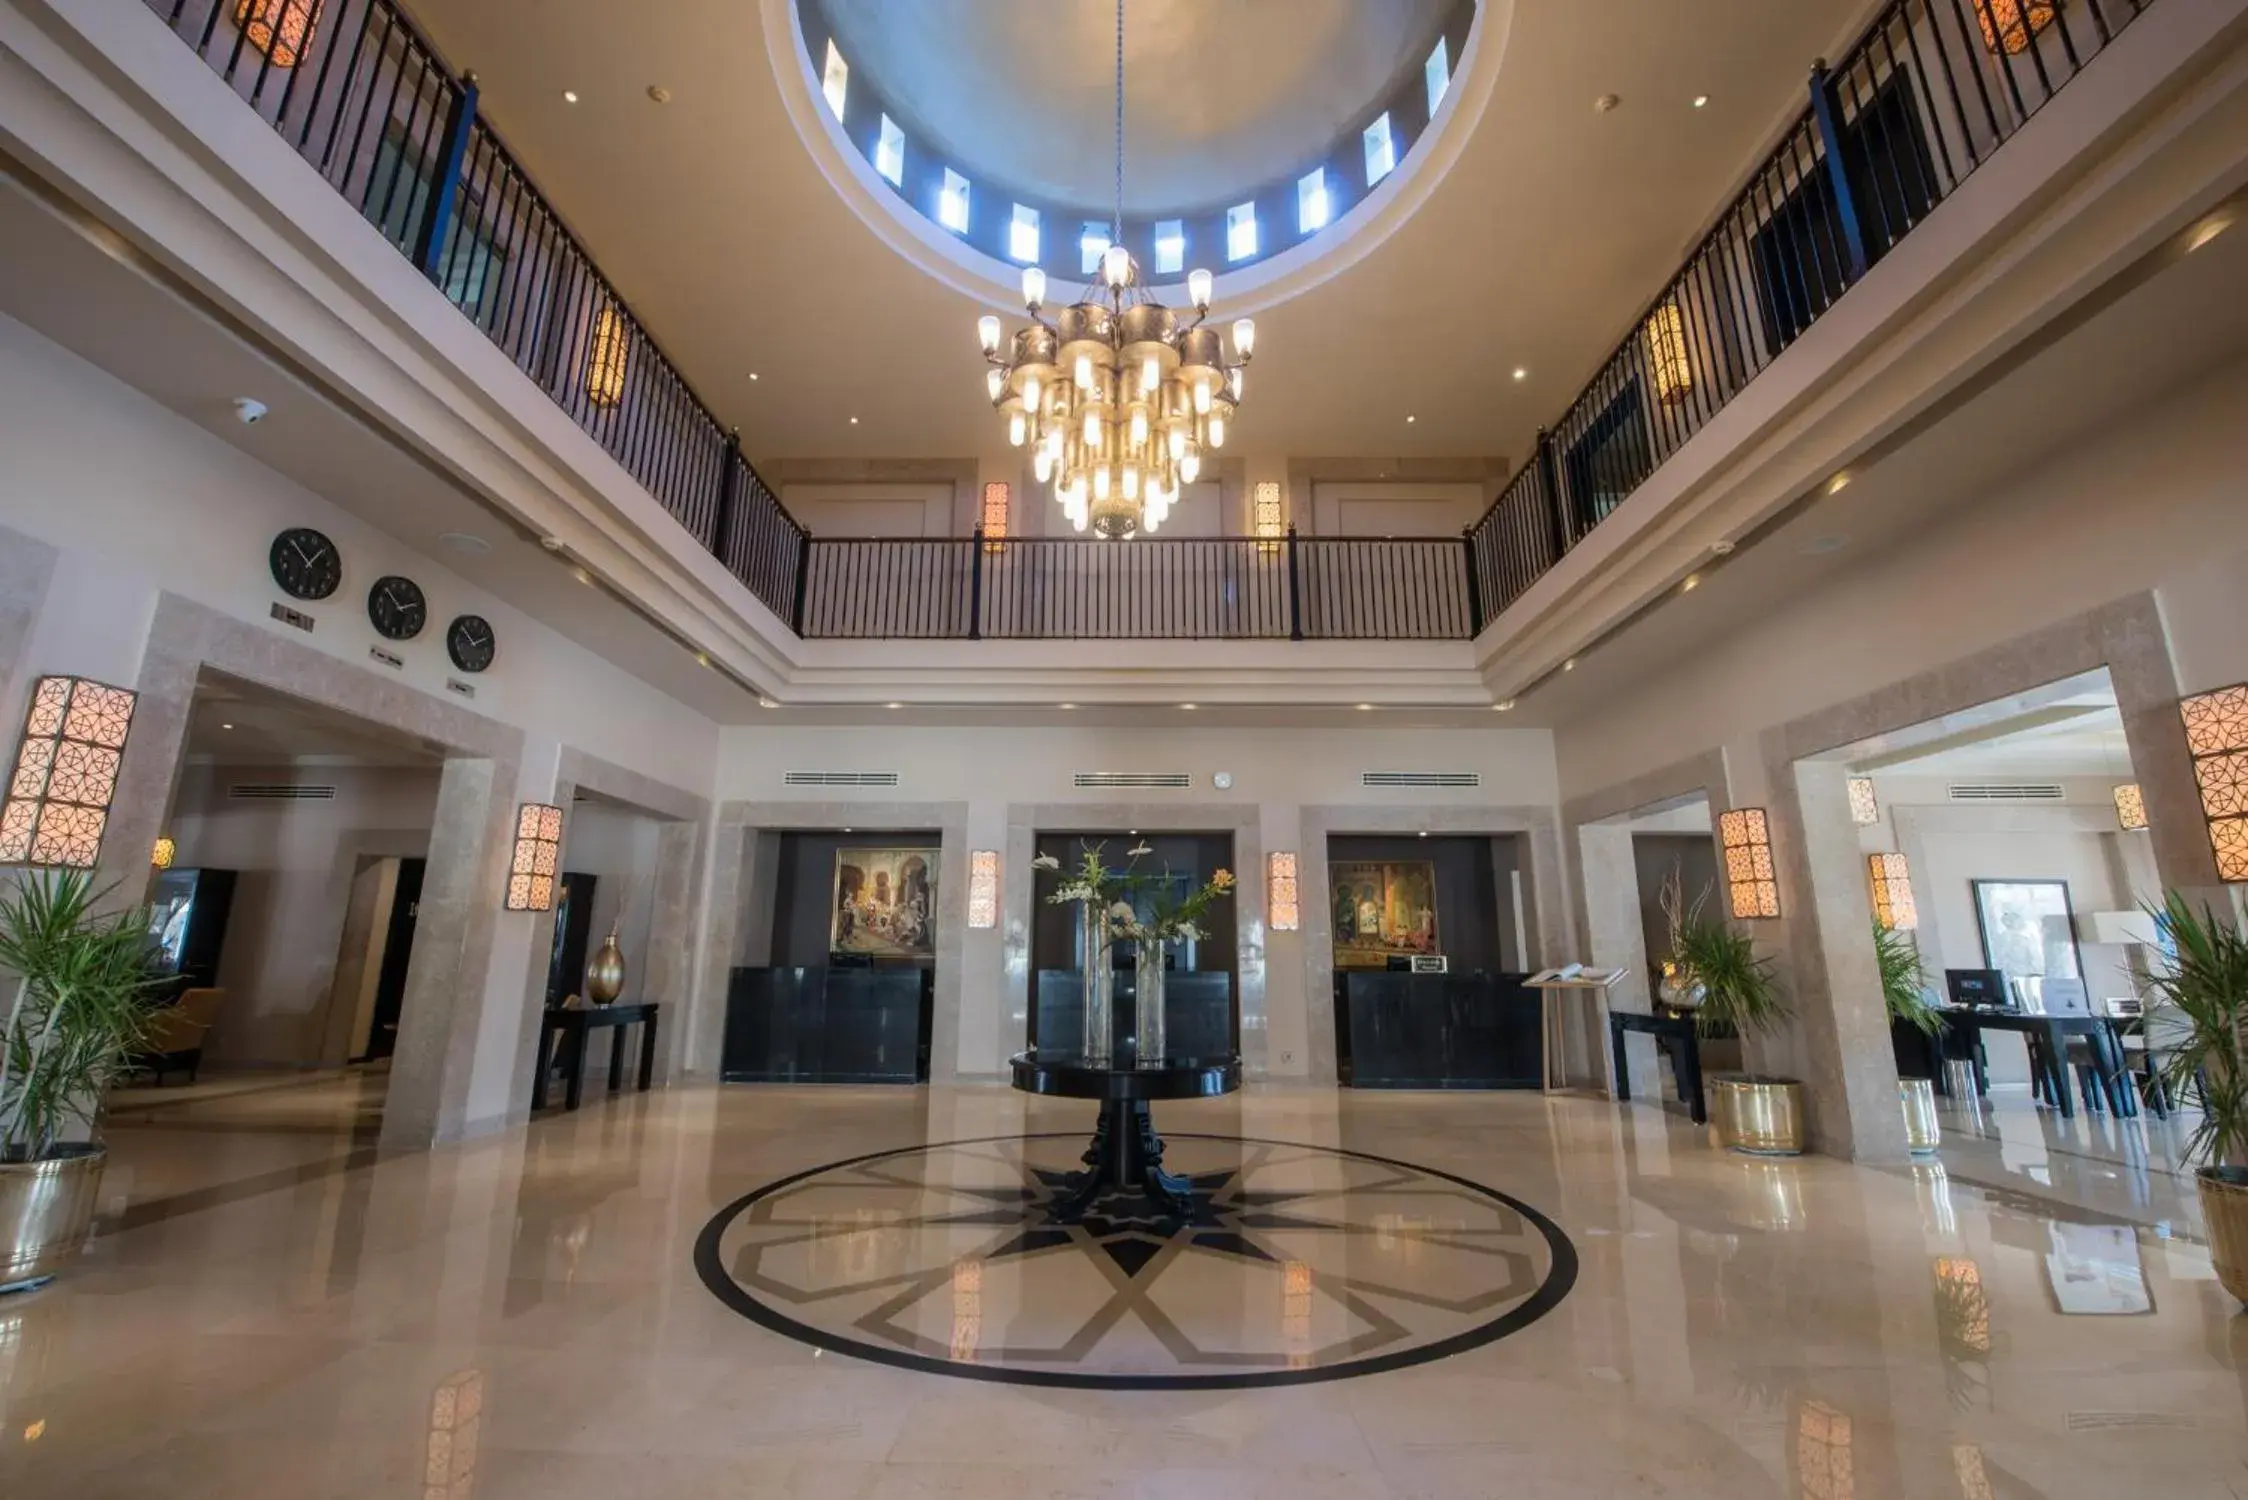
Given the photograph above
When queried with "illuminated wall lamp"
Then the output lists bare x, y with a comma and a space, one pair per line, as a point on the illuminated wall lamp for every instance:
278, 30
2130, 807
1746, 837
65, 776
983, 888
164, 853
2217, 738
1666, 351
604, 364
1865, 807
1283, 910
537, 861
1893, 906
1267, 518
997, 502
2008, 25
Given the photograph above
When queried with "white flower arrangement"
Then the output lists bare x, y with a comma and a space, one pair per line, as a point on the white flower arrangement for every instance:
1095, 885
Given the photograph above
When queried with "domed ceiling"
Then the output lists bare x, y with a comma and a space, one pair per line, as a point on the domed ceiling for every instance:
1221, 97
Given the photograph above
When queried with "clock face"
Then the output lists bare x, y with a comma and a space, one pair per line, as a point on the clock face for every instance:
397, 608
305, 563
470, 643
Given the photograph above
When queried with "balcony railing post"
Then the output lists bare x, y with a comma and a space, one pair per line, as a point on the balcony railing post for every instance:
1295, 589
1474, 584
729, 493
803, 580
1823, 110
437, 222
1557, 505
975, 587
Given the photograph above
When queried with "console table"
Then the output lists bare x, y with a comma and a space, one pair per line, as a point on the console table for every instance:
1126, 1154
575, 1026
2053, 1032
1677, 1036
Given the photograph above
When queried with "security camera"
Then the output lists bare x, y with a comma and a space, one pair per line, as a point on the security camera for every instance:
248, 412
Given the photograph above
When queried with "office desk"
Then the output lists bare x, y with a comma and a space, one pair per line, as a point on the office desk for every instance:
2054, 1032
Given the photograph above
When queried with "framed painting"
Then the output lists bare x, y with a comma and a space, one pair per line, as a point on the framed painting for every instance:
885, 903
2028, 928
1383, 909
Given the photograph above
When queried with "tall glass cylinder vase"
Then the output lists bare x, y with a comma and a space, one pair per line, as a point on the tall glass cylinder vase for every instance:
1100, 986
1147, 1004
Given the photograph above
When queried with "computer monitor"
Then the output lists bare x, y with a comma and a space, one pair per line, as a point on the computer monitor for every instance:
1983, 988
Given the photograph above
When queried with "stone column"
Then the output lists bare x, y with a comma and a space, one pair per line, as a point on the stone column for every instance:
669, 964
1614, 939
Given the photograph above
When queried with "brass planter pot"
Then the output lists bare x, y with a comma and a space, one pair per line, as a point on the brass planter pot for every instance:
2224, 1208
46, 1212
1924, 1133
1757, 1114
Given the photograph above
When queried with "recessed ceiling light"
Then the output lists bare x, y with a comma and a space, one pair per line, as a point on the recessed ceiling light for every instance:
1723, 546
659, 93
1839, 483
753, 374
854, 421
1701, 101
569, 96
1188, 707
226, 726
1570, 665
1409, 421
767, 703
1504, 705
1424, 833
703, 658
465, 543
1607, 102
1693, 582
893, 705
1365, 708
551, 543
2207, 230
581, 575
1065, 705
1520, 373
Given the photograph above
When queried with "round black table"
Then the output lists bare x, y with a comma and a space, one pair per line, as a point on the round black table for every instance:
1126, 1153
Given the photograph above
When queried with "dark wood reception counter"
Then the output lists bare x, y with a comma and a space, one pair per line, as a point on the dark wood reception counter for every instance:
1437, 1031
822, 1025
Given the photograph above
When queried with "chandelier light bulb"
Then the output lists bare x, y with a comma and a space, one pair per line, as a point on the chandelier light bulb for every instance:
1176, 443
1092, 429
1198, 287
1042, 464
987, 333
1030, 392
1078, 520
1084, 372
1190, 468
995, 381
1244, 337
1034, 288
1238, 378
1018, 428
1139, 427
1131, 482
1202, 398
1217, 430
1100, 484
1151, 374
1116, 266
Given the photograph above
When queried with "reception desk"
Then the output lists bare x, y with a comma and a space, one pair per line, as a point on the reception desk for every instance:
828, 1026
1438, 1031
1197, 1012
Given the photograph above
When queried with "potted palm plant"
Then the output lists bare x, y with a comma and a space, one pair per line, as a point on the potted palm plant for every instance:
2201, 1000
1740, 994
78, 1016
1915, 1032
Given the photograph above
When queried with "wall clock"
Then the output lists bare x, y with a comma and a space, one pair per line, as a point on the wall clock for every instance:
397, 608
470, 643
305, 563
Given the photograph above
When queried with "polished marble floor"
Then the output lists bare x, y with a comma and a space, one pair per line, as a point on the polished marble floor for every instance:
273, 1310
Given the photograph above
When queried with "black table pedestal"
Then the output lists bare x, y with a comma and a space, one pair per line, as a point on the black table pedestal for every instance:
1126, 1155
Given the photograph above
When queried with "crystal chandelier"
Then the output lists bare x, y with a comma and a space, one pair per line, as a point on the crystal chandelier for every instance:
1119, 396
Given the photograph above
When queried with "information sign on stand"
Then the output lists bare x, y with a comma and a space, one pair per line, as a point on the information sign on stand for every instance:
1574, 991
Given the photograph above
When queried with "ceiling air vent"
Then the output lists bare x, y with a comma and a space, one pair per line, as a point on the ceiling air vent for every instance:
840, 778
1420, 778
1125, 780
280, 791
2005, 791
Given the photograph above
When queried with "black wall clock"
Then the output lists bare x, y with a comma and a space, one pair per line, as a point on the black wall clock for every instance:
470, 643
397, 608
305, 563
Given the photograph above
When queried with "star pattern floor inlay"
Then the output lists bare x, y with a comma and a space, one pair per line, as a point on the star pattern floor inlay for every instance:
1298, 1263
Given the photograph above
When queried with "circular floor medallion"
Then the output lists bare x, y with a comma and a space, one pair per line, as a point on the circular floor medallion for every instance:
1299, 1263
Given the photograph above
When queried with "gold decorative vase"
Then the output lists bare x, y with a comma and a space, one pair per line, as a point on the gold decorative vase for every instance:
46, 1212
604, 972
1923, 1131
1757, 1114
2224, 1209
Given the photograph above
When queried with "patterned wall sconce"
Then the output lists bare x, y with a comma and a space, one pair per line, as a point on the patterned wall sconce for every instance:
1865, 808
997, 502
1283, 911
1265, 517
65, 776
2217, 737
538, 857
2130, 807
278, 30
1746, 836
604, 363
2008, 25
983, 888
1666, 353
1892, 892
163, 854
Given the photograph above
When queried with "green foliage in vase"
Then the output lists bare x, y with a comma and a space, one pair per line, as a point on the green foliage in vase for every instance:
2203, 995
80, 1012
1904, 979
1740, 989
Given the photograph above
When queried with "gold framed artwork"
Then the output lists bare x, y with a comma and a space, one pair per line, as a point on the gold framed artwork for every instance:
1382, 909
884, 904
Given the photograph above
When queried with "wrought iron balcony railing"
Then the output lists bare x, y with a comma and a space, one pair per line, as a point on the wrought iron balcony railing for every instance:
1930, 90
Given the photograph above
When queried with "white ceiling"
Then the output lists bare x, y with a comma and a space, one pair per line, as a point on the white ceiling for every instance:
1221, 96
2077, 739
238, 723
1555, 226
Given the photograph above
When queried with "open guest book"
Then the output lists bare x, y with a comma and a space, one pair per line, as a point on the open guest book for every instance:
1574, 976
